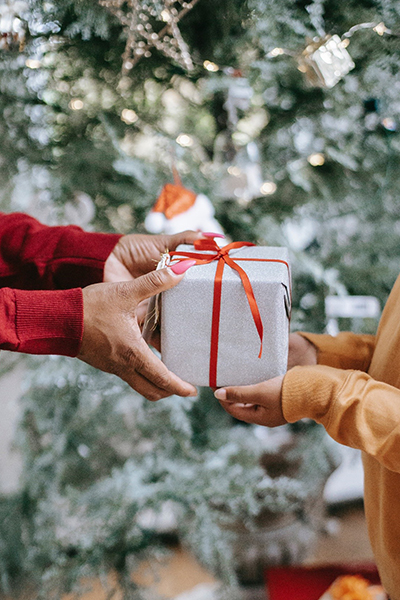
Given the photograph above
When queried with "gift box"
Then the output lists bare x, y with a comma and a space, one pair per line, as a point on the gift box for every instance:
227, 321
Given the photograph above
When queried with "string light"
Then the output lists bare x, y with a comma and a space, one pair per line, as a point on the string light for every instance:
276, 52
31, 63
389, 124
316, 160
129, 116
210, 66
184, 140
235, 171
268, 188
381, 29
166, 16
76, 104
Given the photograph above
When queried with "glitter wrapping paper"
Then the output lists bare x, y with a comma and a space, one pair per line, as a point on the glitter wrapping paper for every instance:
186, 320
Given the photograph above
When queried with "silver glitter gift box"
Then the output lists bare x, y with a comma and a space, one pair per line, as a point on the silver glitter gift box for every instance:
326, 61
187, 315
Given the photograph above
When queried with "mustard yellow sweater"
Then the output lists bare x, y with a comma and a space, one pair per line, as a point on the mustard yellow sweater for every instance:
354, 392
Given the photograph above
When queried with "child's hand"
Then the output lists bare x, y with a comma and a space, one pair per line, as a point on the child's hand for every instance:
301, 351
259, 404
262, 403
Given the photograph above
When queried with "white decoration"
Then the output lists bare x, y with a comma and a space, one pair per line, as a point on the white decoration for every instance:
199, 217
361, 307
326, 61
137, 18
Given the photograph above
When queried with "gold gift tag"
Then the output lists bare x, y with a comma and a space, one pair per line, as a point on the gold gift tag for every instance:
153, 311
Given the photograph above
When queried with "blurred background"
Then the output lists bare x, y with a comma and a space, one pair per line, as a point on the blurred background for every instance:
283, 118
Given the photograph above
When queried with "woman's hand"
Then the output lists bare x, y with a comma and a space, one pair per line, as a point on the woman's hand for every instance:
136, 254
112, 340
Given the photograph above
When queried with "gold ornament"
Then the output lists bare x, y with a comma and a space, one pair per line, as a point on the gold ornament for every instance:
325, 61
139, 19
12, 28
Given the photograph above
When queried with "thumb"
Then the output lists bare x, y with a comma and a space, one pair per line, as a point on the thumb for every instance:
160, 280
260, 393
260, 403
246, 394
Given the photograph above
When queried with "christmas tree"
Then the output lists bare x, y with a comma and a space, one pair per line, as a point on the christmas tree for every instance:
292, 132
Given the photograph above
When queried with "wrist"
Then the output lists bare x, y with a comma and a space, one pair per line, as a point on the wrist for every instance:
301, 351
114, 267
310, 351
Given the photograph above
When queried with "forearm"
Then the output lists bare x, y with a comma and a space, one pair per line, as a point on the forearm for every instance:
34, 256
355, 409
347, 350
41, 322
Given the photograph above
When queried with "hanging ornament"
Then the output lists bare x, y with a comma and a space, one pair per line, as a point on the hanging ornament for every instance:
239, 96
152, 25
12, 28
178, 208
325, 61
236, 149
244, 180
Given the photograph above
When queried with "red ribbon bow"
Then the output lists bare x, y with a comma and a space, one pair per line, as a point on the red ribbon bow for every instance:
223, 258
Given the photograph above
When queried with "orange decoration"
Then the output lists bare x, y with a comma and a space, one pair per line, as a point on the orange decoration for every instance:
174, 200
351, 587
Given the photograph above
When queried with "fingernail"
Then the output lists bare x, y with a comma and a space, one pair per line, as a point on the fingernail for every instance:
220, 394
210, 234
182, 266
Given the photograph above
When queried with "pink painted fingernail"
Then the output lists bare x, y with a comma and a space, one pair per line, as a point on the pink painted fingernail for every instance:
220, 394
210, 234
182, 266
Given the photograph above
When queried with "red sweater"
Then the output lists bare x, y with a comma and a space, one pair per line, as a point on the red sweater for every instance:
42, 271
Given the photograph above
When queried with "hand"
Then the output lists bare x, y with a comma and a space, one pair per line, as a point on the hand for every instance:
260, 404
301, 351
136, 254
112, 340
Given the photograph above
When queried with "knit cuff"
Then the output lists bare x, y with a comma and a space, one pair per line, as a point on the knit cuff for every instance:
79, 258
309, 392
49, 322
347, 350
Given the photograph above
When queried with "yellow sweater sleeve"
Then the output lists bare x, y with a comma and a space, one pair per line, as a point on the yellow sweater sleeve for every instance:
355, 409
345, 351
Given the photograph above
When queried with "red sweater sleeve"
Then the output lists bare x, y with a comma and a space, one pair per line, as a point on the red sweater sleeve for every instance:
47, 267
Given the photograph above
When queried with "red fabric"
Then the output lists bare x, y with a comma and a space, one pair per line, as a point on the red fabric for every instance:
309, 583
42, 271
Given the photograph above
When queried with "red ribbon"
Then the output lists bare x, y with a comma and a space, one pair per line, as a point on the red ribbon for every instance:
223, 258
